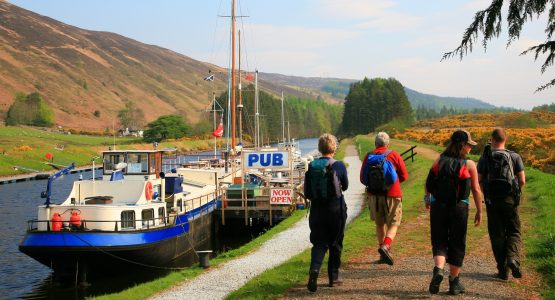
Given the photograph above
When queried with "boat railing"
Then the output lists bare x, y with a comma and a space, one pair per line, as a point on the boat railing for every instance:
200, 203
119, 225
194, 161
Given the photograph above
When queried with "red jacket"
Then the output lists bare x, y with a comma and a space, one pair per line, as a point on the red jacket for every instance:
398, 163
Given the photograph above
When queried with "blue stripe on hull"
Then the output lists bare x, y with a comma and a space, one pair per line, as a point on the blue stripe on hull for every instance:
115, 239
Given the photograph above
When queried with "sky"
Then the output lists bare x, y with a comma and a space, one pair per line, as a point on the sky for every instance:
352, 39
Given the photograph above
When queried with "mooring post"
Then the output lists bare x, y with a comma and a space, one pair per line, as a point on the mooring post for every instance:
204, 258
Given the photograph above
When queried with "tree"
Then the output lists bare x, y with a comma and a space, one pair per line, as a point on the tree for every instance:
305, 117
488, 23
371, 103
131, 116
545, 107
30, 110
165, 127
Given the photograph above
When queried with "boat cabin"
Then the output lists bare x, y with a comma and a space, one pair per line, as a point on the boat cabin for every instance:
132, 164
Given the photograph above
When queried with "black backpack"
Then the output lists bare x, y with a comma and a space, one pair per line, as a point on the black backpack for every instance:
445, 183
325, 187
500, 177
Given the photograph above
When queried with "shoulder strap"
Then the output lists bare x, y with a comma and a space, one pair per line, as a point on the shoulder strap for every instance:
507, 154
329, 166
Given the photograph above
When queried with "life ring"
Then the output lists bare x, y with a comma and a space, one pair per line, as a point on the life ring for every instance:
149, 191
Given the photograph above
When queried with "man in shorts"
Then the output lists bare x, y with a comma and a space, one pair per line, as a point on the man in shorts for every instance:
386, 209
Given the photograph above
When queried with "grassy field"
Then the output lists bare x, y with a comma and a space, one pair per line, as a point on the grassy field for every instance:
539, 211
358, 236
27, 147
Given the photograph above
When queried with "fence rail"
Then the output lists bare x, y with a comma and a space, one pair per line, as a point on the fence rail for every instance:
412, 153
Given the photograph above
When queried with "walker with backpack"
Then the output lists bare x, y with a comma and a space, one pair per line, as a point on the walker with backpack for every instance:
378, 174
500, 180
325, 186
449, 180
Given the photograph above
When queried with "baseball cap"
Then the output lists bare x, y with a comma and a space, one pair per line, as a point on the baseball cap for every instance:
462, 135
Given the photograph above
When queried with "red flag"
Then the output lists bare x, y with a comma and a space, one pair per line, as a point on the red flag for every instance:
249, 77
218, 132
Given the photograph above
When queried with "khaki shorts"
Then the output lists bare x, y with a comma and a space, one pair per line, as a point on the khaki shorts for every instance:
385, 210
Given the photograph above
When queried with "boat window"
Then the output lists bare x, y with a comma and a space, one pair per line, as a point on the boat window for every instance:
137, 163
152, 163
161, 214
179, 206
147, 216
111, 160
127, 219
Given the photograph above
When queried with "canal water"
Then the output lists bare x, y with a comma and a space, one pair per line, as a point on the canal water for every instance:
21, 277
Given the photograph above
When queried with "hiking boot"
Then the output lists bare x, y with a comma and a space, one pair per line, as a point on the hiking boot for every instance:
312, 285
502, 274
382, 259
386, 254
336, 282
436, 280
515, 268
455, 286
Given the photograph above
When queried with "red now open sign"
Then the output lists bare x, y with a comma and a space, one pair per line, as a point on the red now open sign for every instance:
281, 196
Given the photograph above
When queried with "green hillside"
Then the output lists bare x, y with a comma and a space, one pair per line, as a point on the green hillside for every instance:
417, 99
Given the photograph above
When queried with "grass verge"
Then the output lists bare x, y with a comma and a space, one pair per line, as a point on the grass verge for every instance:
540, 239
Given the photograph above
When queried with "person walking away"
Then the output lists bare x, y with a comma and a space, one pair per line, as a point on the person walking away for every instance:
324, 183
501, 175
448, 187
382, 172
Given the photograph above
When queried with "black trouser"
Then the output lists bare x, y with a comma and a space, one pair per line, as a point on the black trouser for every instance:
448, 227
504, 231
327, 228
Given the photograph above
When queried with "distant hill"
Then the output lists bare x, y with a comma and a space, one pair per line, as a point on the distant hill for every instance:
81, 71
437, 102
338, 88
314, 86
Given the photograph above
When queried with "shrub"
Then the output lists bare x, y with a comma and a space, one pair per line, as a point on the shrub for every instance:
29, 110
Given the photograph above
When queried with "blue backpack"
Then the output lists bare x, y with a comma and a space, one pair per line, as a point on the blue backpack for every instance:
379, 173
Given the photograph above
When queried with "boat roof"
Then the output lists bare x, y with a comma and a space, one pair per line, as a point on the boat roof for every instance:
140, 151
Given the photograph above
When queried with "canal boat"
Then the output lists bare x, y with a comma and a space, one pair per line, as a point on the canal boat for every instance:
136, 216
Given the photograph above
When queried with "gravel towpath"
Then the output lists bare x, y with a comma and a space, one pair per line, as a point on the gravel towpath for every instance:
217, 282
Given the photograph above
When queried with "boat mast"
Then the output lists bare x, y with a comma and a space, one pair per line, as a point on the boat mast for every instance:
232, 107
214, 110
282, 120
256, 114
240, 105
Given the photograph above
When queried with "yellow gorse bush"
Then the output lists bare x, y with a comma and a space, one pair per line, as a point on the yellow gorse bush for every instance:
536, 145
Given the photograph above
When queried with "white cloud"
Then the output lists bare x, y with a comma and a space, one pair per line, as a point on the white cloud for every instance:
477, 5
352, 9
392, 22
290, 38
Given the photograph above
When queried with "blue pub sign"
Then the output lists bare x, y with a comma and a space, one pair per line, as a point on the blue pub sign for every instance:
266, 160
